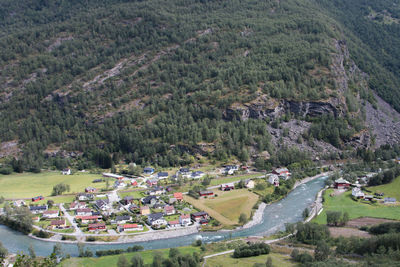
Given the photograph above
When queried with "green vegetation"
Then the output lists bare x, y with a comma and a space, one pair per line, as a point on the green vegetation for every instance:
227, 206
227, 260
151, 84
390, 190
30, 184
355, 209
107, 261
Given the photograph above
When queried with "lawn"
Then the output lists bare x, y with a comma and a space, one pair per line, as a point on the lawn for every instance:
391, 190
227, 207
108, 261
227, 260
27, 185
135, 194
263, 187
355, 209
56, 199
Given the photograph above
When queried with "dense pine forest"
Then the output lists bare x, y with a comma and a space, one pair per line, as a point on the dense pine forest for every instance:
154, 82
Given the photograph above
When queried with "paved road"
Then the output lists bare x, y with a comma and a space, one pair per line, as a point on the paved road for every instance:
70, 218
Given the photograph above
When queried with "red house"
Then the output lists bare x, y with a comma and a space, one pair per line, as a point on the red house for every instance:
134, 183
97, 226
199, 216
151, 182
227, 187
342, 184
281, 172
35, 199
206, 193
178, 196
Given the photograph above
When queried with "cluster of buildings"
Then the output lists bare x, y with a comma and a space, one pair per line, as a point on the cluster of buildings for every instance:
278, 174
358, 193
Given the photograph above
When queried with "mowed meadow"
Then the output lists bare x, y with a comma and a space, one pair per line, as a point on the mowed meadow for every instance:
27, 185
227, 206
356, 209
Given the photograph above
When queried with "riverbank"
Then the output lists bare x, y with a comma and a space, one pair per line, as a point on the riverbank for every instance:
308, 179
125, 239
257, 216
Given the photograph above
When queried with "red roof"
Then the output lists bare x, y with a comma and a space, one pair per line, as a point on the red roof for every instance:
57, 222
129, 226
92, 217
50, 212
173, 222
178, 195
169, 208
97, 225
185, 216
83, 210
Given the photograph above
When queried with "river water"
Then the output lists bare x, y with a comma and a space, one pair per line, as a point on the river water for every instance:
288, 210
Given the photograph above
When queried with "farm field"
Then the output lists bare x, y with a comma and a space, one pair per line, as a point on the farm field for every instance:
108, 261
391, 190
227, 206
227, 260
355, 209
27, 185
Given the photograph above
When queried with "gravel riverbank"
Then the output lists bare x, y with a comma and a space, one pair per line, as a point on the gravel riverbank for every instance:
257, 217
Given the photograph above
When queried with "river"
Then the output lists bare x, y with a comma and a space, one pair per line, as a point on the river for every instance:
288, 210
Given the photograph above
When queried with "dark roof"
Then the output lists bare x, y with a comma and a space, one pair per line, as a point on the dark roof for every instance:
101, 202
206, 192
43, 207
155, 216
184, 170
200, 213
162, 174
148, 169
158, 188
147, 200
128, 198
123, 218
390, 199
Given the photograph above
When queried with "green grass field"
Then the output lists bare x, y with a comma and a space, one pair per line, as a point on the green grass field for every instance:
355, 209
108, 261
27, 185
390, 190
268, 188
227, 260
227, 207
135, 194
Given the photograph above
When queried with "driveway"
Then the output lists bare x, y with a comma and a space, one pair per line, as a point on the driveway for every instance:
70, 218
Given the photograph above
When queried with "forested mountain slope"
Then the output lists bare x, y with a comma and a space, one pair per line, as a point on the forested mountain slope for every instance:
158, 81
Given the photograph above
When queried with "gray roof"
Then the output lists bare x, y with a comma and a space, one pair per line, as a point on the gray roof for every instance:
123, 218
154, 216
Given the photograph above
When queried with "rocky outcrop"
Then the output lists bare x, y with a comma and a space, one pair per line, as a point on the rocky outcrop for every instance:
265, 110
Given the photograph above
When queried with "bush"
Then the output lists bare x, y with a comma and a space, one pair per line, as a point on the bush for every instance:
251, 250
90, 239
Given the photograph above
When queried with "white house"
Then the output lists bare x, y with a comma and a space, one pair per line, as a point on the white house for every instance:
273, 179
66, 171
249, 183
356, 192
50, 214
197, 175
19, 203
156, 219
184, 220
231, 169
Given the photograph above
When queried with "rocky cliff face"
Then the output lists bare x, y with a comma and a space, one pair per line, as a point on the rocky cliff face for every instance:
265, 110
